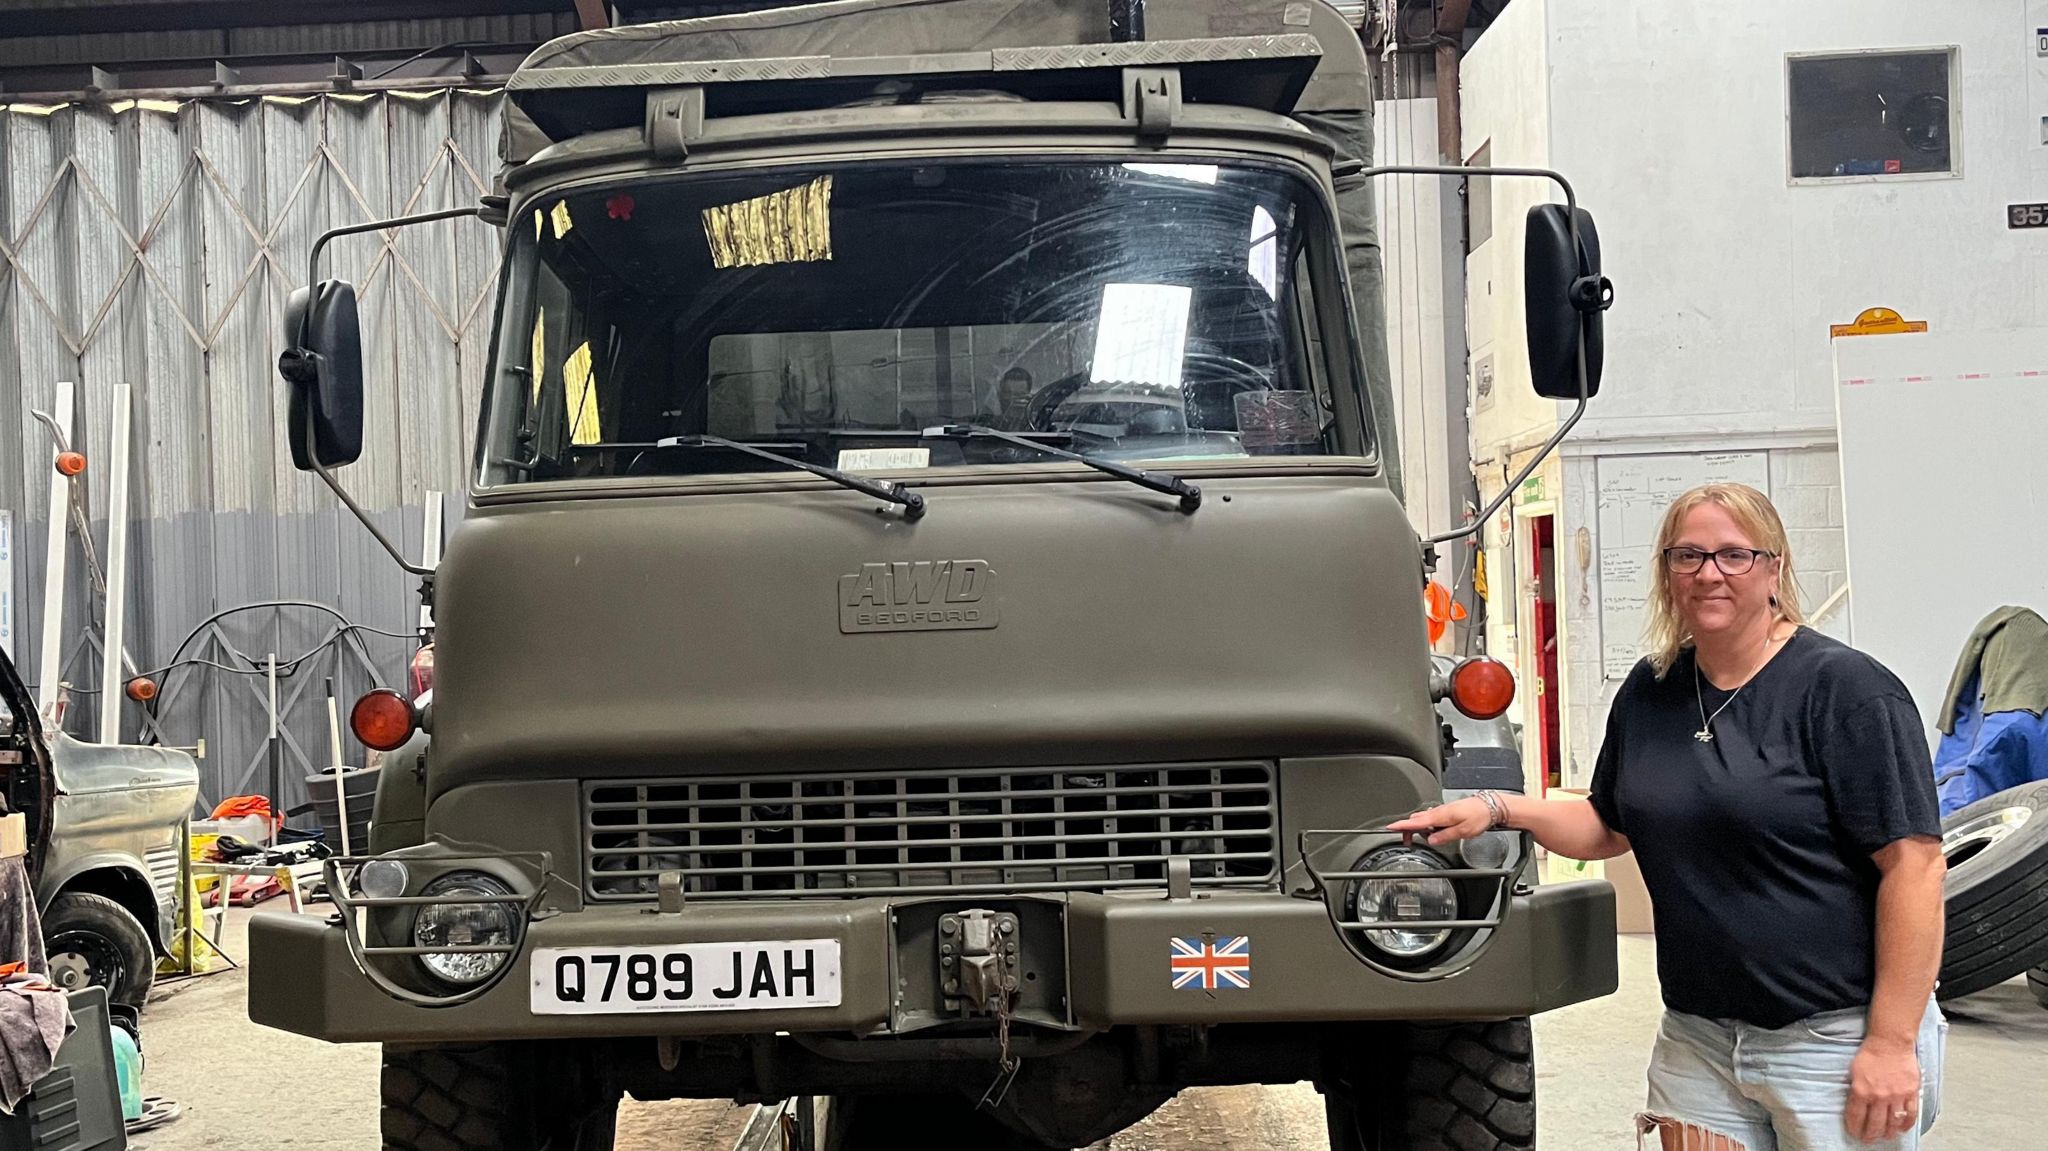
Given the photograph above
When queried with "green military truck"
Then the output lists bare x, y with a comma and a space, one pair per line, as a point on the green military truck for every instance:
935, 630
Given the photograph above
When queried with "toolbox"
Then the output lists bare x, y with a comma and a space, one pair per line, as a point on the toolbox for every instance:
77, 1106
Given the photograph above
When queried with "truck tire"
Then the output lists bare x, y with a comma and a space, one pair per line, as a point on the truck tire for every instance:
2037, 982
487, 1098
1996, 894
92, 941
1422, 1087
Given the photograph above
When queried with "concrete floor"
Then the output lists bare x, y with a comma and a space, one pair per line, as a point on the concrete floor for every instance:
245, 1088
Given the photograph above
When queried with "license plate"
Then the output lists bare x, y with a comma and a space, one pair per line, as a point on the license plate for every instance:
686, 977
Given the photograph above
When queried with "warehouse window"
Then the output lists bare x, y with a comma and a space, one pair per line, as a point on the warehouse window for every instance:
1872, 115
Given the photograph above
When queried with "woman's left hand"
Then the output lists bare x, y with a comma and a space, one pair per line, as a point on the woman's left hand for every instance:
1884, 1091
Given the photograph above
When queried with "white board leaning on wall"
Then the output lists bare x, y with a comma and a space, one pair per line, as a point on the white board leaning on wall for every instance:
1944, 491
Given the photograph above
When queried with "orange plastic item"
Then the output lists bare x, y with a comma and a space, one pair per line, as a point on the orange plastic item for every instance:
1442, 610
142, 689
241, 806
70, 463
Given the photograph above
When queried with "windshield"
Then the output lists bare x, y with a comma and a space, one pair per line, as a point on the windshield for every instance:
1121, 310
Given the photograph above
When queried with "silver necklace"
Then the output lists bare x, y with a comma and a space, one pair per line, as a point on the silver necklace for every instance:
1706, 734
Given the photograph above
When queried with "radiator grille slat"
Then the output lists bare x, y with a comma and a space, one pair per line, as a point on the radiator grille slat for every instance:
163, 868
1070, 829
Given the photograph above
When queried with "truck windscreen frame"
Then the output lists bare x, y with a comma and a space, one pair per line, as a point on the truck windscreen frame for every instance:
1169, 312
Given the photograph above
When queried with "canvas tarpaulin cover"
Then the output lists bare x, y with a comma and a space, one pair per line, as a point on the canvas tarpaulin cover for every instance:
1994, 731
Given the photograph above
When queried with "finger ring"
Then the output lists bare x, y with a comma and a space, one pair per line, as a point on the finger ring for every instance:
1900, 1114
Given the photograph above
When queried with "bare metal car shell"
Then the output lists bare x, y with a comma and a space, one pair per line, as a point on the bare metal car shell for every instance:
115, 822
105, 820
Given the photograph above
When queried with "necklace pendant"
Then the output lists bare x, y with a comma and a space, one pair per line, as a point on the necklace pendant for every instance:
1703, 735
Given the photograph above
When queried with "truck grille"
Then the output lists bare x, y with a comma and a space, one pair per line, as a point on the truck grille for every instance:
1071, 829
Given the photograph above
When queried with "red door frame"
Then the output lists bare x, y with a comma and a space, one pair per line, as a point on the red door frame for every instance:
1542, 576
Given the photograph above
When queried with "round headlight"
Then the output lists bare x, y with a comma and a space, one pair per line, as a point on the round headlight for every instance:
382, 879
458, 924
1392, 901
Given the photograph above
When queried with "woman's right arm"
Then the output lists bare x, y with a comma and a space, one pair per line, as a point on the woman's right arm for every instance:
1573, 828
1569, 827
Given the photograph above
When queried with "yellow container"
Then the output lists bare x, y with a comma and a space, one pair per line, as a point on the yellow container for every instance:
202, 847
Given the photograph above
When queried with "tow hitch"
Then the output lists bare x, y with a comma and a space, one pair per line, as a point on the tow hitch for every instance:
978, 961
978, 969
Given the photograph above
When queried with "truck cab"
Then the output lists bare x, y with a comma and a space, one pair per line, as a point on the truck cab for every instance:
933, 628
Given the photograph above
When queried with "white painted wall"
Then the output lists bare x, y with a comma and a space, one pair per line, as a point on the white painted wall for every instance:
1419, 223
1506, 91
1670, 120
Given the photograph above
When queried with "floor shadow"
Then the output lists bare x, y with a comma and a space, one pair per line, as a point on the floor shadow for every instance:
2009, 1008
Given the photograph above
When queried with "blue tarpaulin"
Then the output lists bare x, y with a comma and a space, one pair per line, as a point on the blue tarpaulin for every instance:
1988, 753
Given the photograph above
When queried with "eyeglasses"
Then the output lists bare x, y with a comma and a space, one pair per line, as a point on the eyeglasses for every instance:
1731, 561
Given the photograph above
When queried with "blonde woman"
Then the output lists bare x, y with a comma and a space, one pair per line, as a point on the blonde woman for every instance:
1776, 789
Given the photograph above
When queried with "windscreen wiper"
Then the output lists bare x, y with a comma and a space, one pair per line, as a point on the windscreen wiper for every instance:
913, 503
1038, 439
1172, 485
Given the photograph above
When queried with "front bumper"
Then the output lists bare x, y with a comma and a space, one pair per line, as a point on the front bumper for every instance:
1555, 947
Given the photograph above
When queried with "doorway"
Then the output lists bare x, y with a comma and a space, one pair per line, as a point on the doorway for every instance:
1541, 656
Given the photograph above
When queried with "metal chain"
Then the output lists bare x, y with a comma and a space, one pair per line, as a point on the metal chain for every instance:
1006, 1063
1004, 1059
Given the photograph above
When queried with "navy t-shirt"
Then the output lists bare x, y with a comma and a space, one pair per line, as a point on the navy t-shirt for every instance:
1756, 847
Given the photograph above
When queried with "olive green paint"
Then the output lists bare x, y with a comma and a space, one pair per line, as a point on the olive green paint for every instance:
670, 627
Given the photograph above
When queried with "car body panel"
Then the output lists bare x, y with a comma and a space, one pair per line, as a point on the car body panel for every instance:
119, 808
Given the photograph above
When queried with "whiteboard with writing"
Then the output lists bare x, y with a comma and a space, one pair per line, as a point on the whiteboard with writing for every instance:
1634, 491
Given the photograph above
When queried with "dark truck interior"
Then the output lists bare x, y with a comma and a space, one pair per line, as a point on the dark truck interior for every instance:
824, 311
24, 760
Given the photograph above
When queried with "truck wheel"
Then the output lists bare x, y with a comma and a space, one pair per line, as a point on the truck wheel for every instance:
94, 942
2037, 982
1996, 894
488, 1098
1417, 1087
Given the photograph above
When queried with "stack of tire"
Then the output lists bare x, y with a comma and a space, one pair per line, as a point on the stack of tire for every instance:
1997, 893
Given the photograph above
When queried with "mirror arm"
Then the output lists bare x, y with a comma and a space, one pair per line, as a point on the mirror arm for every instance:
327, 477
1528, 469
292, 367
1356, 169
320, 245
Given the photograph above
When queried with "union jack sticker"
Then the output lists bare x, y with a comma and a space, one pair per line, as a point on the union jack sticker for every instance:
1211, 964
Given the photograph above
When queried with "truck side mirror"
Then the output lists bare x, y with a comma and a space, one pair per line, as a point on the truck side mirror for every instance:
1565, 296
323, 363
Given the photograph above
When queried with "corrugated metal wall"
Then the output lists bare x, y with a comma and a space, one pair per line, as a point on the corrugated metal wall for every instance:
154, 245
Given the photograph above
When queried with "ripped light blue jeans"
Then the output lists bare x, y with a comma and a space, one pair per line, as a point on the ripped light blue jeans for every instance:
1783, 1090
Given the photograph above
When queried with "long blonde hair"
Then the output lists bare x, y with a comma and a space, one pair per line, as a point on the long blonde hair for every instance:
1752, 512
